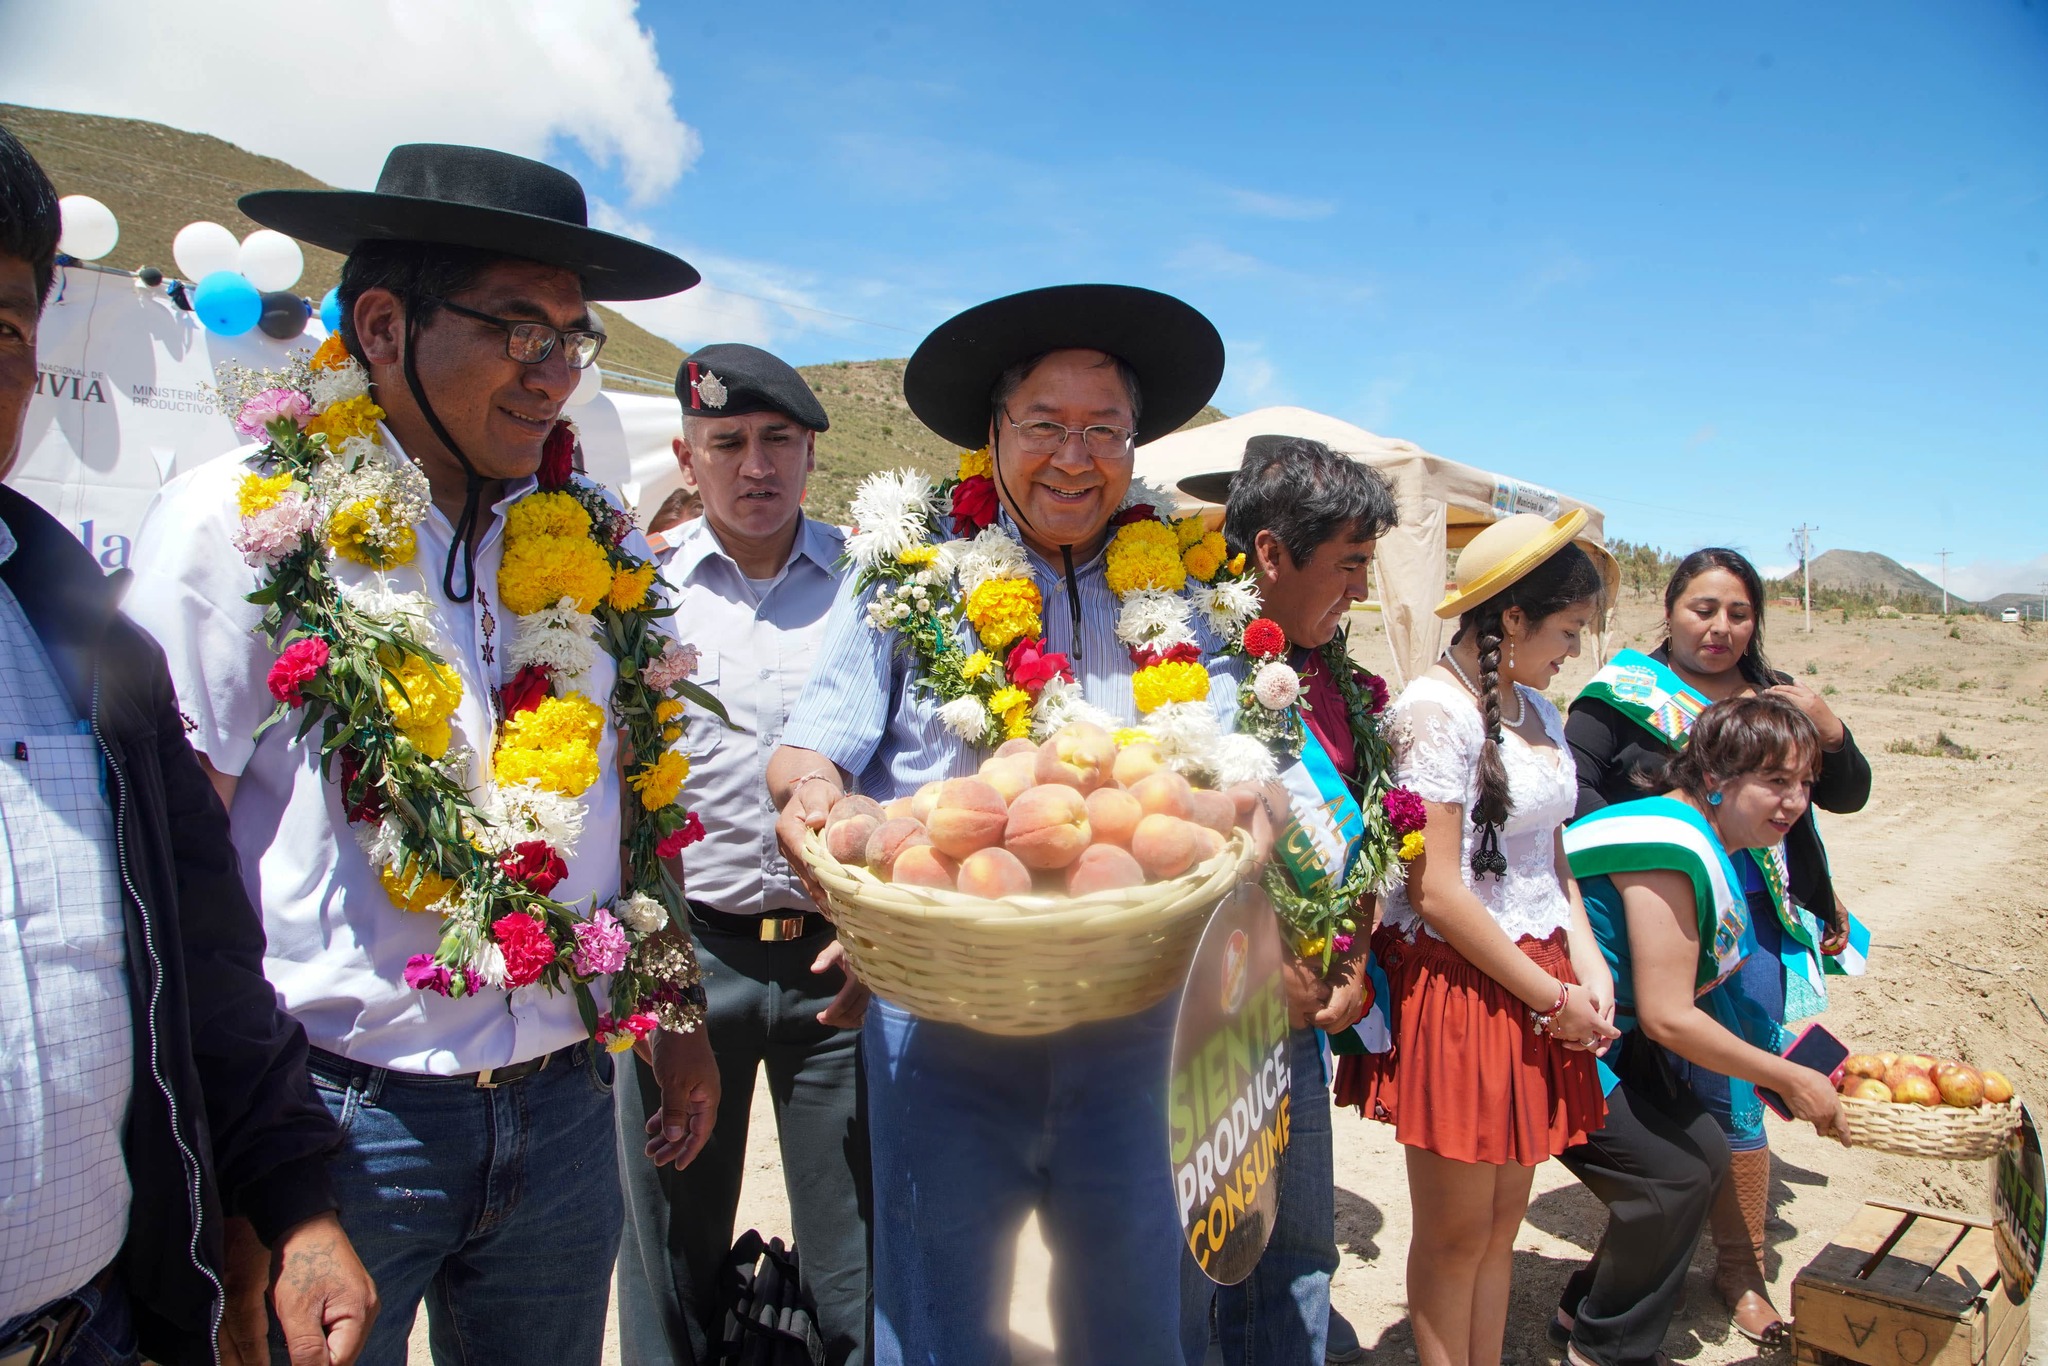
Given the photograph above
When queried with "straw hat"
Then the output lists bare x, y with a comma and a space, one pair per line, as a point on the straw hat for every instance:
1505, 553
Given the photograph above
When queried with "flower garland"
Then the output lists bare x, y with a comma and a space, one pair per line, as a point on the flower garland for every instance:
1271, 703
359, 660
932, 588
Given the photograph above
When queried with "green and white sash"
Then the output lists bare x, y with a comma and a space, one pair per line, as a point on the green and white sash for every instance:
1660, 833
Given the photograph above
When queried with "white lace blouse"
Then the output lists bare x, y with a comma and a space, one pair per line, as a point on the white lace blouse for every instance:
1436, 734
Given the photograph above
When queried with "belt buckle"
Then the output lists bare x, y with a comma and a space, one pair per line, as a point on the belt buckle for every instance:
483, 1079
44, 1339
780, 929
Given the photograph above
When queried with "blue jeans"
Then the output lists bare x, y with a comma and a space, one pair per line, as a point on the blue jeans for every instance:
1281, 1312
500, 1207
106, 1338
969, 1133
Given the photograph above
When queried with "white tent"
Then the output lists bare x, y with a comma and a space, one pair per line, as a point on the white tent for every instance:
1443, 505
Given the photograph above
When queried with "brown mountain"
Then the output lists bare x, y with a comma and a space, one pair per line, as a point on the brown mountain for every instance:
1866, 573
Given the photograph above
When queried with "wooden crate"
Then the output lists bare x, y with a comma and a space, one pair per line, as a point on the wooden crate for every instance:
1907, 1287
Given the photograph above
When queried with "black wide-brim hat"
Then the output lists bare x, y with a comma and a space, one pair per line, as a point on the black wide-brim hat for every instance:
1175, 351
1215, 487
475, 197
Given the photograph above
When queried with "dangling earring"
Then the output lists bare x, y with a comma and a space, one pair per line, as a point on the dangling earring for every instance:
1511, 656
1713, 799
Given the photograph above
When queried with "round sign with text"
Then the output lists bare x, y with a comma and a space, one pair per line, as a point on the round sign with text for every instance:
2019, 1207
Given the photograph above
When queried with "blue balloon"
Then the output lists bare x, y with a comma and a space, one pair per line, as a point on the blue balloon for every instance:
227, 303
330, 312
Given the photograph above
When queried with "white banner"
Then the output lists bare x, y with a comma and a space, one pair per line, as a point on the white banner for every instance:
123, 403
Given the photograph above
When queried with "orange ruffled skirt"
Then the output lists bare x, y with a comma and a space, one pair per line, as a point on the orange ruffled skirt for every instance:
1468, 1078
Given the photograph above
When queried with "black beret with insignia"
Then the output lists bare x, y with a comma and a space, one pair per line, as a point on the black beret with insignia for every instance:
732, 378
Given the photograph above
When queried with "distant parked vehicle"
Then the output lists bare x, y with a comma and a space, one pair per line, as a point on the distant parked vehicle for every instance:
2010, 614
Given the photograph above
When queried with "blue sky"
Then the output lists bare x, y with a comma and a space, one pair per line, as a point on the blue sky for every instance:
1720, 270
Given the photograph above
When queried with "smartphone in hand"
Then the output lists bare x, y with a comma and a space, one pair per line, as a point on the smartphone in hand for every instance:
1814, 1048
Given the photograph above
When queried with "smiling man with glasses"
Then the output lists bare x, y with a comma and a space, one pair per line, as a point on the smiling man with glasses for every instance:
480, 1169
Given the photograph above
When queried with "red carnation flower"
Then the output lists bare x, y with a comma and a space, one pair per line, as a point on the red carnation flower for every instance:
371, 807
526, 690
1145, 657
296, 666
1377, 687
1405, 811
974, 505
557, 458
1263, 638
528, 950
1031, 667
1136, 512
534, 863
681, 838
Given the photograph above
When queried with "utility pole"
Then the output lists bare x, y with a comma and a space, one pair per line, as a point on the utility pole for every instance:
1804, 545
1944, 579
2044, 600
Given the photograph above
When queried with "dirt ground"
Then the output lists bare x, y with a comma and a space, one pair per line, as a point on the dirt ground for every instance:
1948, 865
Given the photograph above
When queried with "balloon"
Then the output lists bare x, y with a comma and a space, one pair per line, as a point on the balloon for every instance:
270, 260
588, 381
330, 311
228, 304
202, 249
89, 228
284, 314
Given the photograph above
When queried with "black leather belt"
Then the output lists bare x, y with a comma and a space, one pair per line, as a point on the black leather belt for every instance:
348, 1072
768, 929
43, 1338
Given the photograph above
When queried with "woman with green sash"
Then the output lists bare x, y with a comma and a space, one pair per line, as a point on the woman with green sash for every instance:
1664, 895
1627, 723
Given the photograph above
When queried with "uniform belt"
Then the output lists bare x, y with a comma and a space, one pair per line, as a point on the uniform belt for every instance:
347, 1071
43, 1338
774, 928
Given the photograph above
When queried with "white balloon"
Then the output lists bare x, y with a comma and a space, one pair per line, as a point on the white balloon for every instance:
89, 227
270, 260
202, 248
589, 380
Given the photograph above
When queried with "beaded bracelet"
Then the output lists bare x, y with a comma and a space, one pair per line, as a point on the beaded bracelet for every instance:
1541, 1020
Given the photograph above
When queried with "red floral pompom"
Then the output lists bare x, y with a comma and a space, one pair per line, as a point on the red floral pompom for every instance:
296, 666
1144, 657
1376, 687
1136, 512
1032, 667
677, 840
534, 863
974, 505
372, 806
1263, 638
528, 950
557, 458
1405, 811
526, 690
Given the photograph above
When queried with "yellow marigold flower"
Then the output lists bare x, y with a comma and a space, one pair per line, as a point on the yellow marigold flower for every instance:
407, 896
569, 770
1017, 723
1002, 610
979, 462
629, 587
1175, 680
659, 783
1236, 565
425, 694
1145, 555
431, 740
333, 353
1004, 698
546, 514
1189, 530
668, 709
1201, 562
1411, 846
356, 532
671, 734
1131, 735
557, 721
540, 570
1311, 946
260, 492
348, 417
977, 664
917, 557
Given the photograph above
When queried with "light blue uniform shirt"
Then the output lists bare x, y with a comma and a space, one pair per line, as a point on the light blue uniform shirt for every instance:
860, 710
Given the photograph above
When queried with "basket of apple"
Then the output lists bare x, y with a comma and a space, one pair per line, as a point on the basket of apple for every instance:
1066, 882
1916, 1105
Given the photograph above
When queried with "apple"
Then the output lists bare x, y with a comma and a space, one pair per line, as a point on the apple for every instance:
1960, 1085
1867, 1088
1864, 1065
1997, 1089
1897, 1074
1915, 1088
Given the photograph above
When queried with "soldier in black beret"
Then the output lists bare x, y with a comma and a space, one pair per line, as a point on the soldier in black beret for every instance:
754, 578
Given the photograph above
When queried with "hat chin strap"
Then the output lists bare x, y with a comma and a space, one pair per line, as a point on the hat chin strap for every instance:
995, 460
473, 483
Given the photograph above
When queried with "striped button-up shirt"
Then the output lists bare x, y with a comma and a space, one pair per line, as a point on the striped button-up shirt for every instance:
860, 711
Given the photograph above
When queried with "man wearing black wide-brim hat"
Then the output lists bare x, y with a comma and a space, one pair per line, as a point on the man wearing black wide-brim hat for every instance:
480, 1171
971, 1130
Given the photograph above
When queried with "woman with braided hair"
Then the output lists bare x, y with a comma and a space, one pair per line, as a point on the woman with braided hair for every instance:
1501, 999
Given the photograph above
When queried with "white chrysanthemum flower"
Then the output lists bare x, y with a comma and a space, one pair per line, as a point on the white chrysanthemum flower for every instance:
1062, 703
1186, 731
1242, 759
374, 599
994, 554
1227, 606
1141, 491
559, 638
945, 560
487, 961
1276, 685
329, 387
966, 717
642, 913
528, 811
891, 513
381, 841
1150, 619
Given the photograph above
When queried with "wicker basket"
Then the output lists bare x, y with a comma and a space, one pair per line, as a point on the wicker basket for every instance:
1029, 965
1942, 1131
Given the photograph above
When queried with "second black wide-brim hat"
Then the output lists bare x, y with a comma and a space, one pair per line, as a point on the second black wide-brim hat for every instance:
1215, 487
1175, 351
475, 197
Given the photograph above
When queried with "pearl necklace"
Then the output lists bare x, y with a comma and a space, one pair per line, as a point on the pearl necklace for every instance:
1521, 702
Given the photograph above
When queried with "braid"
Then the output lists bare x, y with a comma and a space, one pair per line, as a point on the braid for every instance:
1493, 805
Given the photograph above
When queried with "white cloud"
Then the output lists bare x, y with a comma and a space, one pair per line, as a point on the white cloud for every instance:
1288, 207
332, 87
1250, 379
1981, 579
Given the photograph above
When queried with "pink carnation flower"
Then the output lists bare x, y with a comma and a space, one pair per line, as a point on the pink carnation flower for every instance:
266, 537
297, 665
600, 946
422, 973
1405, 811
272, 405
670, 667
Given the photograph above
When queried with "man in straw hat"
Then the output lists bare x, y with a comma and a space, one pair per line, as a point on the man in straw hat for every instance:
970, 1131
480, 1170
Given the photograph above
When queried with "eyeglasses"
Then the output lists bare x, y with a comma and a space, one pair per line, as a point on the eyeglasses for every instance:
531, 343
1101, 441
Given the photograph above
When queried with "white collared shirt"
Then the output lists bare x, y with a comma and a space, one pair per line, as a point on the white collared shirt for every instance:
337, 945
756, 647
